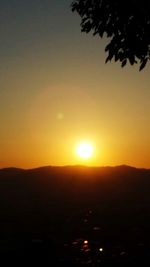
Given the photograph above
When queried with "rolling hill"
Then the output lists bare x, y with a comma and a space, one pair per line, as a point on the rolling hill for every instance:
49, 197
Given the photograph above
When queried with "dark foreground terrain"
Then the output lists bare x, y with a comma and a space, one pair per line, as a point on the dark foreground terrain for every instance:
75, 216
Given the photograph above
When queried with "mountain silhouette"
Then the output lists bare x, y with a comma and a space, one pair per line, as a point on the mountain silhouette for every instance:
29, 198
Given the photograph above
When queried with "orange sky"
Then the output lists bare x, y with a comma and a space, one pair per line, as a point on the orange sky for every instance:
56, 90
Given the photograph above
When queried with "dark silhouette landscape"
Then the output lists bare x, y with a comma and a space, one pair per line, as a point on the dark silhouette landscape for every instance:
65, 215
61, 105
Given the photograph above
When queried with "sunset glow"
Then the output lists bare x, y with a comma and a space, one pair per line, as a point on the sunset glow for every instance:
57, 93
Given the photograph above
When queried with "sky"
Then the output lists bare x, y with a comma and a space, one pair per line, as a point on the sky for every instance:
56, 91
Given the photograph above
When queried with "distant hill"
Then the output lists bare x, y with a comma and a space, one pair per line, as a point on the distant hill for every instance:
48, 197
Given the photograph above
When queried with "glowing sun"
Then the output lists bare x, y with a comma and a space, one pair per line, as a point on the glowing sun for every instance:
84, 150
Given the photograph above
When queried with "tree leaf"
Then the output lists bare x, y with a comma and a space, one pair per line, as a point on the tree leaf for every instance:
124, 62
143, 64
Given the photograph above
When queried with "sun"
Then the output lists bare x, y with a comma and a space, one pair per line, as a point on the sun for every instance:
84, 150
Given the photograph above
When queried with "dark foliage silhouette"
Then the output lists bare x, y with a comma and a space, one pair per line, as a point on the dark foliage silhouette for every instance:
126, 23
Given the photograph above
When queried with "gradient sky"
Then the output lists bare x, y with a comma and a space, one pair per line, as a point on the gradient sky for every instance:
56, 90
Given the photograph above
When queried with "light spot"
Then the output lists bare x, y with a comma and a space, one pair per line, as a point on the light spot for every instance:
84, 150
60, 116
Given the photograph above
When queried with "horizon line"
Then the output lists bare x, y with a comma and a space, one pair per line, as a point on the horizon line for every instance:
76, 166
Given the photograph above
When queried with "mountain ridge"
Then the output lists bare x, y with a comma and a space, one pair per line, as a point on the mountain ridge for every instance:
39, 198
122, 166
